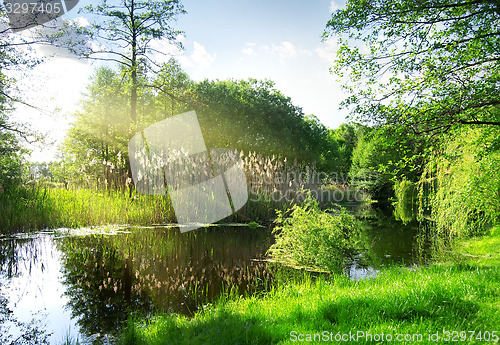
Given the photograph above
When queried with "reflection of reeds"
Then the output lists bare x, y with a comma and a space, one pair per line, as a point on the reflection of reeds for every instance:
172, 270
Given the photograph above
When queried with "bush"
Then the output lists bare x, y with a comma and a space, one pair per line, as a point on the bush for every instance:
314, 238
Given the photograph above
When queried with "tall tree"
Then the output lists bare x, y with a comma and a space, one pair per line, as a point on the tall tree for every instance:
15, 57
127, 28
99, 135
424, 67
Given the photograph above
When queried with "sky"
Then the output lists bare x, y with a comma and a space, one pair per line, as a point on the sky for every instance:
280, 40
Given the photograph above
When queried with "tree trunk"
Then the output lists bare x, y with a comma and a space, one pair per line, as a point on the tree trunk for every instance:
133, 94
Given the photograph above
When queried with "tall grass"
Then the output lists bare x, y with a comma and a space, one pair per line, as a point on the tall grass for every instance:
90, 199
38, 208
277, 184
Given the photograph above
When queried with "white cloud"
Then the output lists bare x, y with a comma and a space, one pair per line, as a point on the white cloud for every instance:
165, 49
82, 21
328, 50
200, 57
196, 56
249, 51
305, 52
334, 6
285, 50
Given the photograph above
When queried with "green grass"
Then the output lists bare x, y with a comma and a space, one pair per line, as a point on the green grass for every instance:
36, 208
31, 209
483, 251
461, 294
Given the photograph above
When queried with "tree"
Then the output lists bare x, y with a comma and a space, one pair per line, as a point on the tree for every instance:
12, 59
252, 115
377, 161
174, 86
97, 140
96, 146
426, 66
346, 136
127, 31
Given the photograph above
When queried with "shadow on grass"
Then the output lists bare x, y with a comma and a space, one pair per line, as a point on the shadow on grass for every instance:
224, 328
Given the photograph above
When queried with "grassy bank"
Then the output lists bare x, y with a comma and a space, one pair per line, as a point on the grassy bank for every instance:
37, 208
460, 295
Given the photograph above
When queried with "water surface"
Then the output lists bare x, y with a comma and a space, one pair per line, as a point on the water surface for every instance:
85, 283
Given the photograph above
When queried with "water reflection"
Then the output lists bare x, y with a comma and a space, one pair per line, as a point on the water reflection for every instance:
109, 277
386, 240
31, 296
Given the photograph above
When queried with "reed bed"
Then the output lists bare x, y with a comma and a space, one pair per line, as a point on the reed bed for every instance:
38, 208
100, 196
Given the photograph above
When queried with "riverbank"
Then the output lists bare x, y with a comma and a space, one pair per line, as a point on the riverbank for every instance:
457, 299
31, 209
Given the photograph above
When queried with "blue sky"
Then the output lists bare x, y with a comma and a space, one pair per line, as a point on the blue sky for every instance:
279, 40
274, 39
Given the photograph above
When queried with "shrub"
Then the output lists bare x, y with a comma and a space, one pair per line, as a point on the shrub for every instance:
314, 238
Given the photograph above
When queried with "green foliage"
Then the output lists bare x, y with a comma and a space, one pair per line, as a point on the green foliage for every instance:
272, 183
346, 136
423, 67
125, 31
405, 208
370, 165
314, 238
378, 160
135, 23
174, 90
11, 166
96, 145
15, 55
461, 185
252, 115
